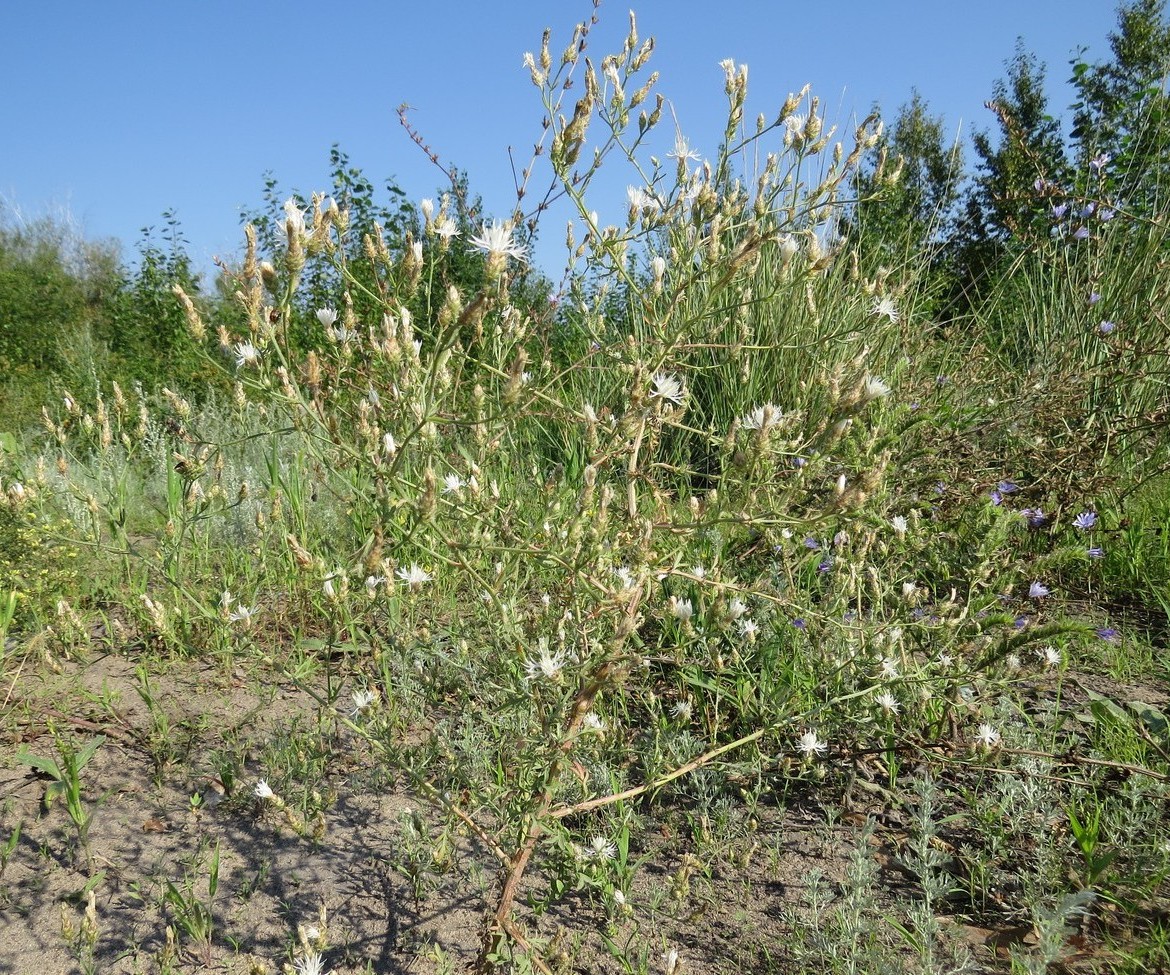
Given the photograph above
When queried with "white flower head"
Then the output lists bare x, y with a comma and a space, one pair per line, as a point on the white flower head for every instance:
243, 614
681, 609
874, 389
263, 790
887, 702
762, 418
327, 317
546, 664
601, 849
453, 484
736, 608
311, 964
748, 628
246, 354
987, 737
414, 576
593, 722
885, 308
810, 746
495, 240
898, 523
362, 699
667, 388
294, 220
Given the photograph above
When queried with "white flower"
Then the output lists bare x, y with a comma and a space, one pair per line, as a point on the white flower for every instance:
682, 150
789, 246
762, 418
658, 266
625, 577
262, 790
311, 964
601, 849
1013, 662
372, 583
327, 585
681, 710
885, 308
681, 609
670, 962
246, 354
889, 668
909, 589
666, 387
243, 614
495, 240
427, 206
874, 389
887, 702
453, 484
748, 629
327, 317
640, 199
294, 219
619, 898
389, 445
699, 572
361, 700
446, 229
593, 722
226, 600
416, 251
1050, 656
987, 737
547, 664
898, 523
414, 576
809, 745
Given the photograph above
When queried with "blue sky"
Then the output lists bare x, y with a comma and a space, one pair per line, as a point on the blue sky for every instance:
115, 112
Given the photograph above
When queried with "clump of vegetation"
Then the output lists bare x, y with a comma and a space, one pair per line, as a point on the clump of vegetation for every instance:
776, 504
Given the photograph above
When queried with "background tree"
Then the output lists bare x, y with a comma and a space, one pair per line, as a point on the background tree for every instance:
1006, 207
1123, 111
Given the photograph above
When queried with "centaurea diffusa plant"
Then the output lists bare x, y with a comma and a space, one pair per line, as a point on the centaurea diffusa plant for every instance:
581, 523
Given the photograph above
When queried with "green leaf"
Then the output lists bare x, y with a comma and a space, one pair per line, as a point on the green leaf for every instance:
46, 765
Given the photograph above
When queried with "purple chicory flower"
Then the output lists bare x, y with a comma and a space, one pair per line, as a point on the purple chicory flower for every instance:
1106, 214
1081, 233
1085, 520
1099, 162
1007, 487
1096, 552
1106, 328
1094, 297
1108, 634
811, 543
826, 565
800, 624
1020, 622
1059, 211
1035, 517
1087, 211
1038, 591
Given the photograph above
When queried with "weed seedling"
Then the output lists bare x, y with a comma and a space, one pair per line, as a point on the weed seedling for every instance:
65, 772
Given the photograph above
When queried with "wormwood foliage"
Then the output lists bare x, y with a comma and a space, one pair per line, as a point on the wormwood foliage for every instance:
686, 529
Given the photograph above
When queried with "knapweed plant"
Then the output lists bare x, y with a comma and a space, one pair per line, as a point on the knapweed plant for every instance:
680, 523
